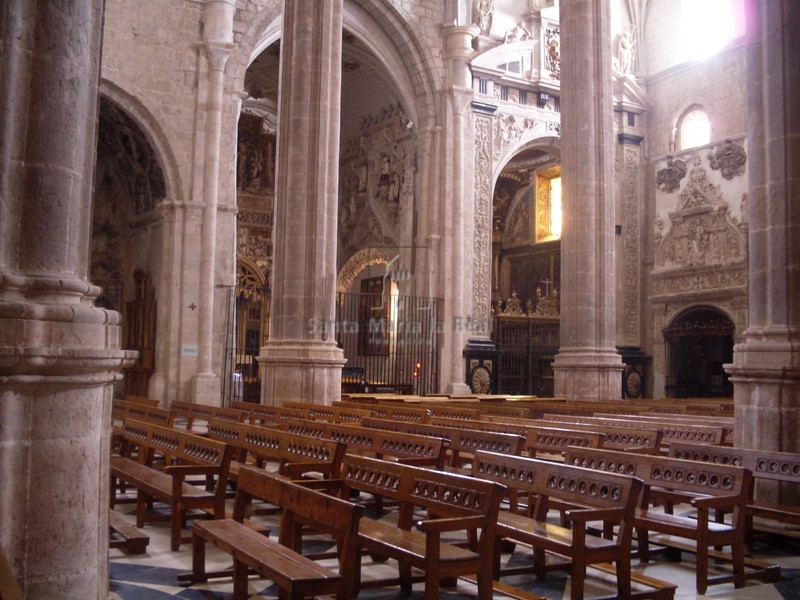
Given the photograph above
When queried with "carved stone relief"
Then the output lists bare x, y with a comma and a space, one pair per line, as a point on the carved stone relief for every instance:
702, 231
631, 247
482, 253
552, 40
704, 250
121, 140
255, 163
729, 159
508, 130
376, 188
254, 234
669, 178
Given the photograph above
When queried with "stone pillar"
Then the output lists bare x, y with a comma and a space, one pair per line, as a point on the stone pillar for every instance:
218, 38
587, 366
457, 206
59, 355
766, 365
301, 360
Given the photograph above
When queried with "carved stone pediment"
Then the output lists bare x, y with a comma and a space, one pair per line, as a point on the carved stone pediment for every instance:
702, 232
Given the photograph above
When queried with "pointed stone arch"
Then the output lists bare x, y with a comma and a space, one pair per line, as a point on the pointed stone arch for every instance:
389, 32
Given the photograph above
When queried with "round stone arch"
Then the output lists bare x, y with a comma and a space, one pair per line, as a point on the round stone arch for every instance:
388, 32
527, 141
698, 341
490, 159
364, 258
154, 134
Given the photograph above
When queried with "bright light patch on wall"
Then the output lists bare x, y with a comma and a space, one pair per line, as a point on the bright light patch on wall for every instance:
695, 130
555, 207
707, 26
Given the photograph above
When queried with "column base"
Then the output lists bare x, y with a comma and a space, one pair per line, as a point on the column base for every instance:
207, 389
458, 387
766, 393
300, 372
588, 375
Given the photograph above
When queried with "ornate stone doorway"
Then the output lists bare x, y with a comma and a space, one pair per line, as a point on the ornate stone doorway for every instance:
699, 342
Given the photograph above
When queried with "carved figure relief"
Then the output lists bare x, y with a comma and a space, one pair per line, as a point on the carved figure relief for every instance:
552, 40
669, 178
702, 231
625, 56
484, 10
508, 129
518, 33
377, 185
729, 159
255, 163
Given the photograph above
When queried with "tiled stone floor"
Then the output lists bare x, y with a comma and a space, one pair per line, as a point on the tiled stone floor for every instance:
153, 576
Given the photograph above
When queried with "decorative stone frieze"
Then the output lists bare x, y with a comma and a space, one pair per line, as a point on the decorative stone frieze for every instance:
482, 254
631, 246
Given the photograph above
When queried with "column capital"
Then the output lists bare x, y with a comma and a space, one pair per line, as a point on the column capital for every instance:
458, 40
217, 54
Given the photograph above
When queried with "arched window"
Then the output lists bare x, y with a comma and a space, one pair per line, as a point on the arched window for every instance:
694, 129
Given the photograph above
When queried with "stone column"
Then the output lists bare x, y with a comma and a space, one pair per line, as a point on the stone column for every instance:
457, 206
218, 35
59, 355
766, 365
301, 360
587, 366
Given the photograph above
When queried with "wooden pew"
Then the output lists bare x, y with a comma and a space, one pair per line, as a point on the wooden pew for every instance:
334, 414
552, 442
451, 503
593, 495
671, 431
126, 536
387, 445
263, 414
394, 411
295, 455
186, 454
401, 413
647, 439
504, 410
781, 468
659, 419
122, 410
282, 561
711, 487
549, 441
453, 412
141, 400
462, 443
193, 418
